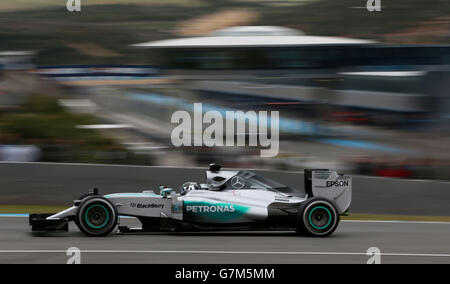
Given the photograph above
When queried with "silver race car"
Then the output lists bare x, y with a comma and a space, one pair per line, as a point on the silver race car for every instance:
228, 200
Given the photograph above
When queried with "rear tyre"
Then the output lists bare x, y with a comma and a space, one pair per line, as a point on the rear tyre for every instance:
317, 217
96, 216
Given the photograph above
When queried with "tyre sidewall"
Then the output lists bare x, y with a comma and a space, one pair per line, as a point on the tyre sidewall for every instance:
81, 198
304, 215
89, 203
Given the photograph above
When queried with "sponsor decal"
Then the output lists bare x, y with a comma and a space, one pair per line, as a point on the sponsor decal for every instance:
236, 193
213, 212
337, 183
281, 199
210, 208
146, 205
321, 175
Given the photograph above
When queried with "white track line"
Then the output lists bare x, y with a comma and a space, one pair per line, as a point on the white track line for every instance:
396, 222
229, 252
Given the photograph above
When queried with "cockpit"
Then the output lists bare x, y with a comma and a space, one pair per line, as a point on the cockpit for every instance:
246, 180
236, 180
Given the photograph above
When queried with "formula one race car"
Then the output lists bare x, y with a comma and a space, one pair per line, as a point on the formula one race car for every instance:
229, 200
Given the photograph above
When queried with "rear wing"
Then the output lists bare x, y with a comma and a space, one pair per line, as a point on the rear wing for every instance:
330, 185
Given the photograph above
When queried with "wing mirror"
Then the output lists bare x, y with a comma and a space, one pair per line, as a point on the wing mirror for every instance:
165, 191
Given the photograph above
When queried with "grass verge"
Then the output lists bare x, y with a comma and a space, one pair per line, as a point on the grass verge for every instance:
26, 209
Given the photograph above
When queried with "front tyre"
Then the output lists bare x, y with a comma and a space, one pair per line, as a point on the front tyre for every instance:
318, 217
96, 216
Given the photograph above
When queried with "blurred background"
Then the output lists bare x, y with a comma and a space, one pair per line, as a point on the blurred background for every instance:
361, 92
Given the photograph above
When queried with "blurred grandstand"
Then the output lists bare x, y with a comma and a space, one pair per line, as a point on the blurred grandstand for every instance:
370, 97
375, 99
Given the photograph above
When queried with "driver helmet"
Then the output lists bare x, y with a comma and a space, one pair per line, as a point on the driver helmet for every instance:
188, 186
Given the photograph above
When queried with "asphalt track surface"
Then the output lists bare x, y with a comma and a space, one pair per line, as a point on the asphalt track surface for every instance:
399, 242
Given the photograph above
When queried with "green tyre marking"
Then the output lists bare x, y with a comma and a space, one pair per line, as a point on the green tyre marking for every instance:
326, 225
87, 221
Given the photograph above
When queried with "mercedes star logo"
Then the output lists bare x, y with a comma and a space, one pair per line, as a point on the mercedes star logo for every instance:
237, 182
